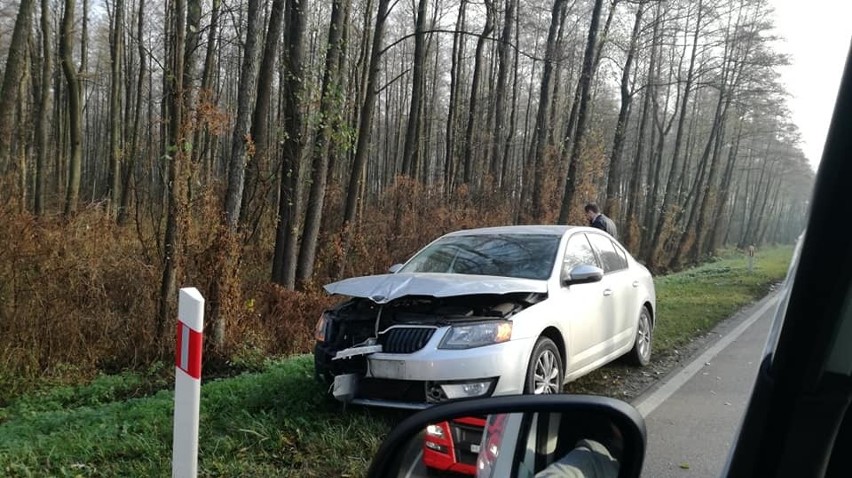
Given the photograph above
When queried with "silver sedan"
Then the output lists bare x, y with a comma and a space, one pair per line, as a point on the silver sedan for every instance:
493, 311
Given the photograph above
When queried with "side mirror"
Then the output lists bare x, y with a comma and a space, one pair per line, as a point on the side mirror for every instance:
582, 274
512, 436
394, 268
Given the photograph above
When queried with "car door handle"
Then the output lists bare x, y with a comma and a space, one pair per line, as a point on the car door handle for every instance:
607, 292
636, 283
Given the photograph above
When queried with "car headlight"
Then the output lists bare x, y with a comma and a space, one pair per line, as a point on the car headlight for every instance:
320, 328
477, 335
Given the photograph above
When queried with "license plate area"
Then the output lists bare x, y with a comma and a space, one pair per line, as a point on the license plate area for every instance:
387, 368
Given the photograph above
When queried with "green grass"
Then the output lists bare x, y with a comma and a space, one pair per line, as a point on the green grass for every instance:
693, 301
272, 423
276, 422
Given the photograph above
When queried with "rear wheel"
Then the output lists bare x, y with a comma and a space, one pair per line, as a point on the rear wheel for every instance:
544, 372
641, 353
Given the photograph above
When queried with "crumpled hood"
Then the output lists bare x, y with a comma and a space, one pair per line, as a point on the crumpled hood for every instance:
387, 287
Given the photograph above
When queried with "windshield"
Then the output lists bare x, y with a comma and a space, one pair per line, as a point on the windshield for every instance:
524, 256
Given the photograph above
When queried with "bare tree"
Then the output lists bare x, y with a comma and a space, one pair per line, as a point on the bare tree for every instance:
241, 142
589, 60
330, 103
259, 121
541, 128
412, 133
75, 109
115, 136
286, 236
44, 99
15, 67
613, 201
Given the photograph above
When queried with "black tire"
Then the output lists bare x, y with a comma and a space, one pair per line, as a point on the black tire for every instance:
544, 371
640, 355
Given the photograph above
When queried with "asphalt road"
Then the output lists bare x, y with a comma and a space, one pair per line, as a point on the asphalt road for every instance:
693, 414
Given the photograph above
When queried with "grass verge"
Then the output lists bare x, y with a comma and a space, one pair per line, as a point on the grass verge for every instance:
276, 422
693, 301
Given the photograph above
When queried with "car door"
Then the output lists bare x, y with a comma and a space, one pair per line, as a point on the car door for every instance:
617, 292
582, 306
631, 300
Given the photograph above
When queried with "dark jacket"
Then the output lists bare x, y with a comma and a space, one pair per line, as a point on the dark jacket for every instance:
605, 224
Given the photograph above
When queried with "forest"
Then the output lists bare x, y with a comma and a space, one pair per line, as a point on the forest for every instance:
260, 149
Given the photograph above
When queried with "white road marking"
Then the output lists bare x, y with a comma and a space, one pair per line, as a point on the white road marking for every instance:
414, 464
648, 403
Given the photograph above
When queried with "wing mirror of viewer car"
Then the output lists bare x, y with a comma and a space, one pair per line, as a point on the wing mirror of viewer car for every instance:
394, 268
517, 436
582, 274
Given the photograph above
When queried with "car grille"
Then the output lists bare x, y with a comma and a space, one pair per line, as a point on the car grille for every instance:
405, 340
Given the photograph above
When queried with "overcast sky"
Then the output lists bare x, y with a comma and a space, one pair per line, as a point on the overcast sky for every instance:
817, 36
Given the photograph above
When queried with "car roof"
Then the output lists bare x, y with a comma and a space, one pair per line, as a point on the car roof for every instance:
545, 229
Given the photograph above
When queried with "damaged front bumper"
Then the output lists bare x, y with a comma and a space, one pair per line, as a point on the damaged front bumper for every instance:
425, 377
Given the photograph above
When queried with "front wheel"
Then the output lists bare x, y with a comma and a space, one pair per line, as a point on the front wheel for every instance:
544, 373
641, 353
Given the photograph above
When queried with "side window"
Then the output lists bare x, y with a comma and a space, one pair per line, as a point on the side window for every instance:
578, 252
621, 255
611, 260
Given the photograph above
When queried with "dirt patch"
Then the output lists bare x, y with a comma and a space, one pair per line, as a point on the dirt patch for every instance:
626, 382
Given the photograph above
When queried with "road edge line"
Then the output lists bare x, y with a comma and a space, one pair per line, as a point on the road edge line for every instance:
649, 402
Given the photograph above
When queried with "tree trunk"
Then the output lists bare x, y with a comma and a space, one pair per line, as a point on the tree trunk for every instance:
15, 66
365, 119
330, 102
174, 153
541, 128
613, 185
259, 121
468, 156
700, 190
633, 234
134, 152
44, 106
412, 131
568, 200
75, 111
242, 144
200, 137
666, 213
507, 157
724, 193
115, 127
286, 235
504, 64
455, 73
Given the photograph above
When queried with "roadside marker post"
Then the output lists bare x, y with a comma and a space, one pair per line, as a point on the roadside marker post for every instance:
190, 329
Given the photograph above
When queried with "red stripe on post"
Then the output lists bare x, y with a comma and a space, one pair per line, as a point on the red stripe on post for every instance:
188, 353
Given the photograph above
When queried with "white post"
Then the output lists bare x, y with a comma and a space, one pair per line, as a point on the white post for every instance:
187, 383
750, 258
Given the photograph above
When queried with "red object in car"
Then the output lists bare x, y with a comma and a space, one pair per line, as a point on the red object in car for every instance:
454, 445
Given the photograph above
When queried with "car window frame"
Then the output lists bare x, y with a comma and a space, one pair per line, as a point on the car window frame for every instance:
600, 255
622, 253
598, 263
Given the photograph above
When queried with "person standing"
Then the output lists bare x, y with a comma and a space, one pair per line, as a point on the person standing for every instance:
599, 220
